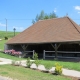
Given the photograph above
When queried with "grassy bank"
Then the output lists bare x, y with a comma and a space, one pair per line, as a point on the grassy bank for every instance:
8, 34
48, 63
21, 73
3, 34
68, 65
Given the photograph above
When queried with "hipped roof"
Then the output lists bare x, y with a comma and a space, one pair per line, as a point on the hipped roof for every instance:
49, 31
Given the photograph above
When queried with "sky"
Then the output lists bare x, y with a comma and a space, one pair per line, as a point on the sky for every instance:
19, 14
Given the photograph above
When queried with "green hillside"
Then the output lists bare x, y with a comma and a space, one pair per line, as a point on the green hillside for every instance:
2, 35
8, 34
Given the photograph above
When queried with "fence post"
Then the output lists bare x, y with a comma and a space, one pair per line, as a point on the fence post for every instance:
33, 53
43, 54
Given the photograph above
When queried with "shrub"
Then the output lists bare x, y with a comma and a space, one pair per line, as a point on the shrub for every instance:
47, 66
28, 62
58, 69
35, 56
6, 38
37, 62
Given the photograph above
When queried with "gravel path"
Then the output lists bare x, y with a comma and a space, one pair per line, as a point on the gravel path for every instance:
5, 78
65, 72
71, 73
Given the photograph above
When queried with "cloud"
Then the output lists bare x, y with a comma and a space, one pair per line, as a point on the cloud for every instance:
18, 28
77, 8
55, 10
2, 25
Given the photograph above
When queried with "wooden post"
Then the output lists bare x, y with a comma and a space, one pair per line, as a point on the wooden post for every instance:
55, 48
33, 53
43, 54
24, 47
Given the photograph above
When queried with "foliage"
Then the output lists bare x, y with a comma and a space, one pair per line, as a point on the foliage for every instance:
37, 62
35, 56
43, 16
6, 38
58, 68
49, 63
47, 66
2, 55
28, 62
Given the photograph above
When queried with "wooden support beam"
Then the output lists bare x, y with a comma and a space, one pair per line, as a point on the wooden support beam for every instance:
56, 50
52, 45
56, 46
33, 53
43, 54
24, 47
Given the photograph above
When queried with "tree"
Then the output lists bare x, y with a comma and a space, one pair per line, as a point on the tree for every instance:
43, 16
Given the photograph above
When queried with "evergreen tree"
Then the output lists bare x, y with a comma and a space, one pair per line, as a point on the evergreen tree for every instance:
43, 16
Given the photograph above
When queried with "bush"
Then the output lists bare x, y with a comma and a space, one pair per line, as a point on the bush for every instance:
28, 62
37, 62
6, 38
35, 56
58, 69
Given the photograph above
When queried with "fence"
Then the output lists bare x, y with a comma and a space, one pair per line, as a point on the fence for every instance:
27, 53
62, 54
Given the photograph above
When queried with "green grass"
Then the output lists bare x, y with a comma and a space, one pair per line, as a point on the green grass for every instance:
8, 34
47, 63
2, 43
21, 73
3, 55
68, 65
28, 74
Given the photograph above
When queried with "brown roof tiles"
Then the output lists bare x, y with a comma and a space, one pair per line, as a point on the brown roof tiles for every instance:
49, 31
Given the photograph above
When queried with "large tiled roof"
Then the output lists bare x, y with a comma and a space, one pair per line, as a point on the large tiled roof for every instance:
49, 31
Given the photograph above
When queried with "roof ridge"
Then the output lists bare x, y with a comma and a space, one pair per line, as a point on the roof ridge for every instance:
73, 24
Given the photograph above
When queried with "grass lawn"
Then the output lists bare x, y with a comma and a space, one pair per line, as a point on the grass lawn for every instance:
3, 55
4, 34
2, 43
48, 63
21, 73
8, 34
68, 65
